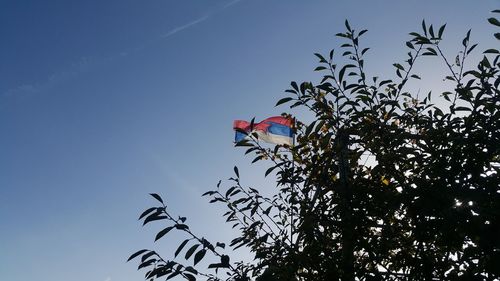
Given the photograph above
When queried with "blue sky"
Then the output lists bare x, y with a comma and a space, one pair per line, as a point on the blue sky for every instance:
103, 102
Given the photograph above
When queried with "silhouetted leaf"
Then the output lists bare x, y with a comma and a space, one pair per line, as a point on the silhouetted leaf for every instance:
321, 60
215, 265
181, 246
398, 66
157, 197
471, 48
494, 21
145, 213
191, 269
199, 256
225, 260
146, 263
319, 68
189, 277
283, 100
181, 226
163, 232
431, 31
347, 25
491, 51
134, 255
268, 171
154, 218
441, 31
191, 250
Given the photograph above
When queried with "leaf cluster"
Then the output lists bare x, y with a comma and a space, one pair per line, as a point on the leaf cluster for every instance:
383, 184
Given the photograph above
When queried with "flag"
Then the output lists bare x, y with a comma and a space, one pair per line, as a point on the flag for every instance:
277, 130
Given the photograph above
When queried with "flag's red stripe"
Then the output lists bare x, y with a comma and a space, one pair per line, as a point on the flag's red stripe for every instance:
262, 126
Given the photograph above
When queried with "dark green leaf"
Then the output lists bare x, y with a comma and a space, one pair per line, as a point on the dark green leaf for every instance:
145, 213
462, 108
260, 157
189, 277
191, 269
236, 171
283, 100
199, 256
471, 48
309, 128
157, 197
441, 30
342, 71
347, 25
181, 226
486, 62
181, 246
243, 143
269, 171
163, 232
146, 263
446, 95
154, 217
321, 60
148, 255
231, 189
134, 255
491, 51
215, 265
398, 66
191, 250
384, 82
224, 260
494, 21
466, 39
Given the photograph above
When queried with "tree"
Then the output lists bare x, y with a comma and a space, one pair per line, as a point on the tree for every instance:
382, 185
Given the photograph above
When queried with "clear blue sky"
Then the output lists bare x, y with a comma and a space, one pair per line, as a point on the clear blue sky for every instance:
102, 102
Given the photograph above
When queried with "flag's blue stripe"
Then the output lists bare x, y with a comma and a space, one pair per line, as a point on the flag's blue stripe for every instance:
239, 136
279, 129
275, 129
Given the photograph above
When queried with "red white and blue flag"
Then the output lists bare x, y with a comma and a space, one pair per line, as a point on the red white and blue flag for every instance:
277, 130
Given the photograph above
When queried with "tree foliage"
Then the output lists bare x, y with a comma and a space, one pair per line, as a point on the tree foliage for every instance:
384, 184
